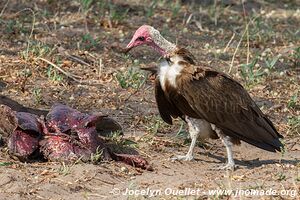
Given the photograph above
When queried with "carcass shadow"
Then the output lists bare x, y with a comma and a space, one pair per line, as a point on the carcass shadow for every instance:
14, 105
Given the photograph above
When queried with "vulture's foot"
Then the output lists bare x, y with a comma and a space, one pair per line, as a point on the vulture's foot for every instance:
187, 157
227, 141
228, 166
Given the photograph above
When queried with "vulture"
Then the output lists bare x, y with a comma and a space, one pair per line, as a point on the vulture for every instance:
212, 103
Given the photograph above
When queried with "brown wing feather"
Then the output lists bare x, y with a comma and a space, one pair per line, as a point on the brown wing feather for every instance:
167, 110
224, 102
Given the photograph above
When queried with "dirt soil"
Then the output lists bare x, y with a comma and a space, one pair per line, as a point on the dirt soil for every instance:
71, 52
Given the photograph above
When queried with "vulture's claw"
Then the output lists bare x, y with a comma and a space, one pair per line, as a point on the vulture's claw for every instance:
186, 157
228, 166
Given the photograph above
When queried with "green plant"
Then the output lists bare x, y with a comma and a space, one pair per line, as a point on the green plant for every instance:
45, 13
117, 138
5, 163
296, 56
37, 94
64, 169
24, 75
102, 5
121, 145
282, 148
117, 14
14, 27
294, 124
298, 178
213, 11
293, 101
261, 31
97, 156
36, 49
183, 134
10, 26
249, 73
85, 5
281, 176
131, 78
150, 10
116, 134
53, 74
154, 124
88, 41
270, 63
175, 6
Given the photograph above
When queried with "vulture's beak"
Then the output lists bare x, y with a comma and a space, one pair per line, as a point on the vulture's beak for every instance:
127, 49
130, 46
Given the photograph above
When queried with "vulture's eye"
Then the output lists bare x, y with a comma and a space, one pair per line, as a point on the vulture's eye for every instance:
141, 38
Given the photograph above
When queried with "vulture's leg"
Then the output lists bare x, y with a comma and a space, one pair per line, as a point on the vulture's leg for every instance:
228, 145
197, 127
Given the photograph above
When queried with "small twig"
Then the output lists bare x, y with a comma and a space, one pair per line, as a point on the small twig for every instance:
100, 67
199, 25
89, 54
215, 14
248, 47
189, 19
32, 28
236, 49
86, 25
65, 53
97, 61
77, 59
33, 21
105, 181
248, 53
247, 24
2, 11
233, 35
69, 75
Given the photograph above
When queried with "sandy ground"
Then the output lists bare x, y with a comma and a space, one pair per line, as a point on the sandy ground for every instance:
212, 34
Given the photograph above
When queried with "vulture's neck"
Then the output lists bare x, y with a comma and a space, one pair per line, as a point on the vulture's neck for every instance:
162, 45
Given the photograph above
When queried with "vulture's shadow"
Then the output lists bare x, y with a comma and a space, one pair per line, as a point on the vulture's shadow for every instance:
251, 164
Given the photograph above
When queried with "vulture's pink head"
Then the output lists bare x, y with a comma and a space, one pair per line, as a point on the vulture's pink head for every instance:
147, 35
140, 37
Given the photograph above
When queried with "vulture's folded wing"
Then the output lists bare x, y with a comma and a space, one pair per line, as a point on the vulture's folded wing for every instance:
167, 110
224, 102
